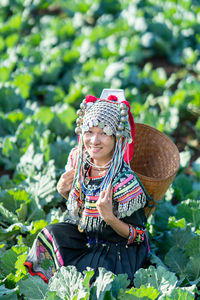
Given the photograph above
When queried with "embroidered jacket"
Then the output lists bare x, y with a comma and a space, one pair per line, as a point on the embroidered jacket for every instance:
128, 197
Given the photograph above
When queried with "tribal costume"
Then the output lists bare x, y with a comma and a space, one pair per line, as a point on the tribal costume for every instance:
85, 239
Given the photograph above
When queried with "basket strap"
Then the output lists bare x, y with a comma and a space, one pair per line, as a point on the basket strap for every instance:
156, 202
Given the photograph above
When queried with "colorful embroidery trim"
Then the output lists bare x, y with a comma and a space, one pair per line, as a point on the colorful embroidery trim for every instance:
44, 236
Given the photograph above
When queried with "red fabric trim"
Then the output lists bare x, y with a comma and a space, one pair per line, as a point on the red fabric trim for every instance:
129, 152
29, 265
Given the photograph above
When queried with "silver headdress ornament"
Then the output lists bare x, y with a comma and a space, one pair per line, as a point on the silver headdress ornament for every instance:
107, 112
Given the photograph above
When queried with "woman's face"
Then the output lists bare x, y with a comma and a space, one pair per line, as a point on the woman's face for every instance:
99, 145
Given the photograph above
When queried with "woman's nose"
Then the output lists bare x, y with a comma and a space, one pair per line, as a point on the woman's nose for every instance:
95, 139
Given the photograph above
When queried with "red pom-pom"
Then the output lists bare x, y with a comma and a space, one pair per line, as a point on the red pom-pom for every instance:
113, 97
90, 98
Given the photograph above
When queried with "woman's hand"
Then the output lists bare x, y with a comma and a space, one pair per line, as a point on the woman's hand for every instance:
104, 205
65, 183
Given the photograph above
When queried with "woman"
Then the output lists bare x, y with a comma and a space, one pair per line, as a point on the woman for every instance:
105, 224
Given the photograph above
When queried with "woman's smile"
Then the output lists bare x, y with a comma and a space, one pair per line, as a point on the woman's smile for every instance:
95, 149
99, 145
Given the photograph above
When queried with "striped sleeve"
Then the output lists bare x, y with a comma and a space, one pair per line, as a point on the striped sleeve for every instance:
128, 193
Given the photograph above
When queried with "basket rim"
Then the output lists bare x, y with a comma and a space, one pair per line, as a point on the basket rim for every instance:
163, 135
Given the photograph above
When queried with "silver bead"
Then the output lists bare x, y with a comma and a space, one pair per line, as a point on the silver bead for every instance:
78, 121
82, 106
122, 106
118, 134
120, 127
79, 112
107, 130
124, 112
124, 119
77, 130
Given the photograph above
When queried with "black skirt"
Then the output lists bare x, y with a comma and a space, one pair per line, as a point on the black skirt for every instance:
62, 244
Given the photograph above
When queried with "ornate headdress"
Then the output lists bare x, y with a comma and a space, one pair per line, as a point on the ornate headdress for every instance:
112, 116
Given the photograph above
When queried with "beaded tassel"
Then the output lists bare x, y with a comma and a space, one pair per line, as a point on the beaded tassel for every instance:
115, 165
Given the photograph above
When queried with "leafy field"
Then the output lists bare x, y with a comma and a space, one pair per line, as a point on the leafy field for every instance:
53, 53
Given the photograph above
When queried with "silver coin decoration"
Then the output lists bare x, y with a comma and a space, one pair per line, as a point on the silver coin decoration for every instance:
95, 122
107, 130
110, 116
101, 125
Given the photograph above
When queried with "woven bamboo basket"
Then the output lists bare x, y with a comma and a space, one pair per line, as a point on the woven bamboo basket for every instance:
155, 161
